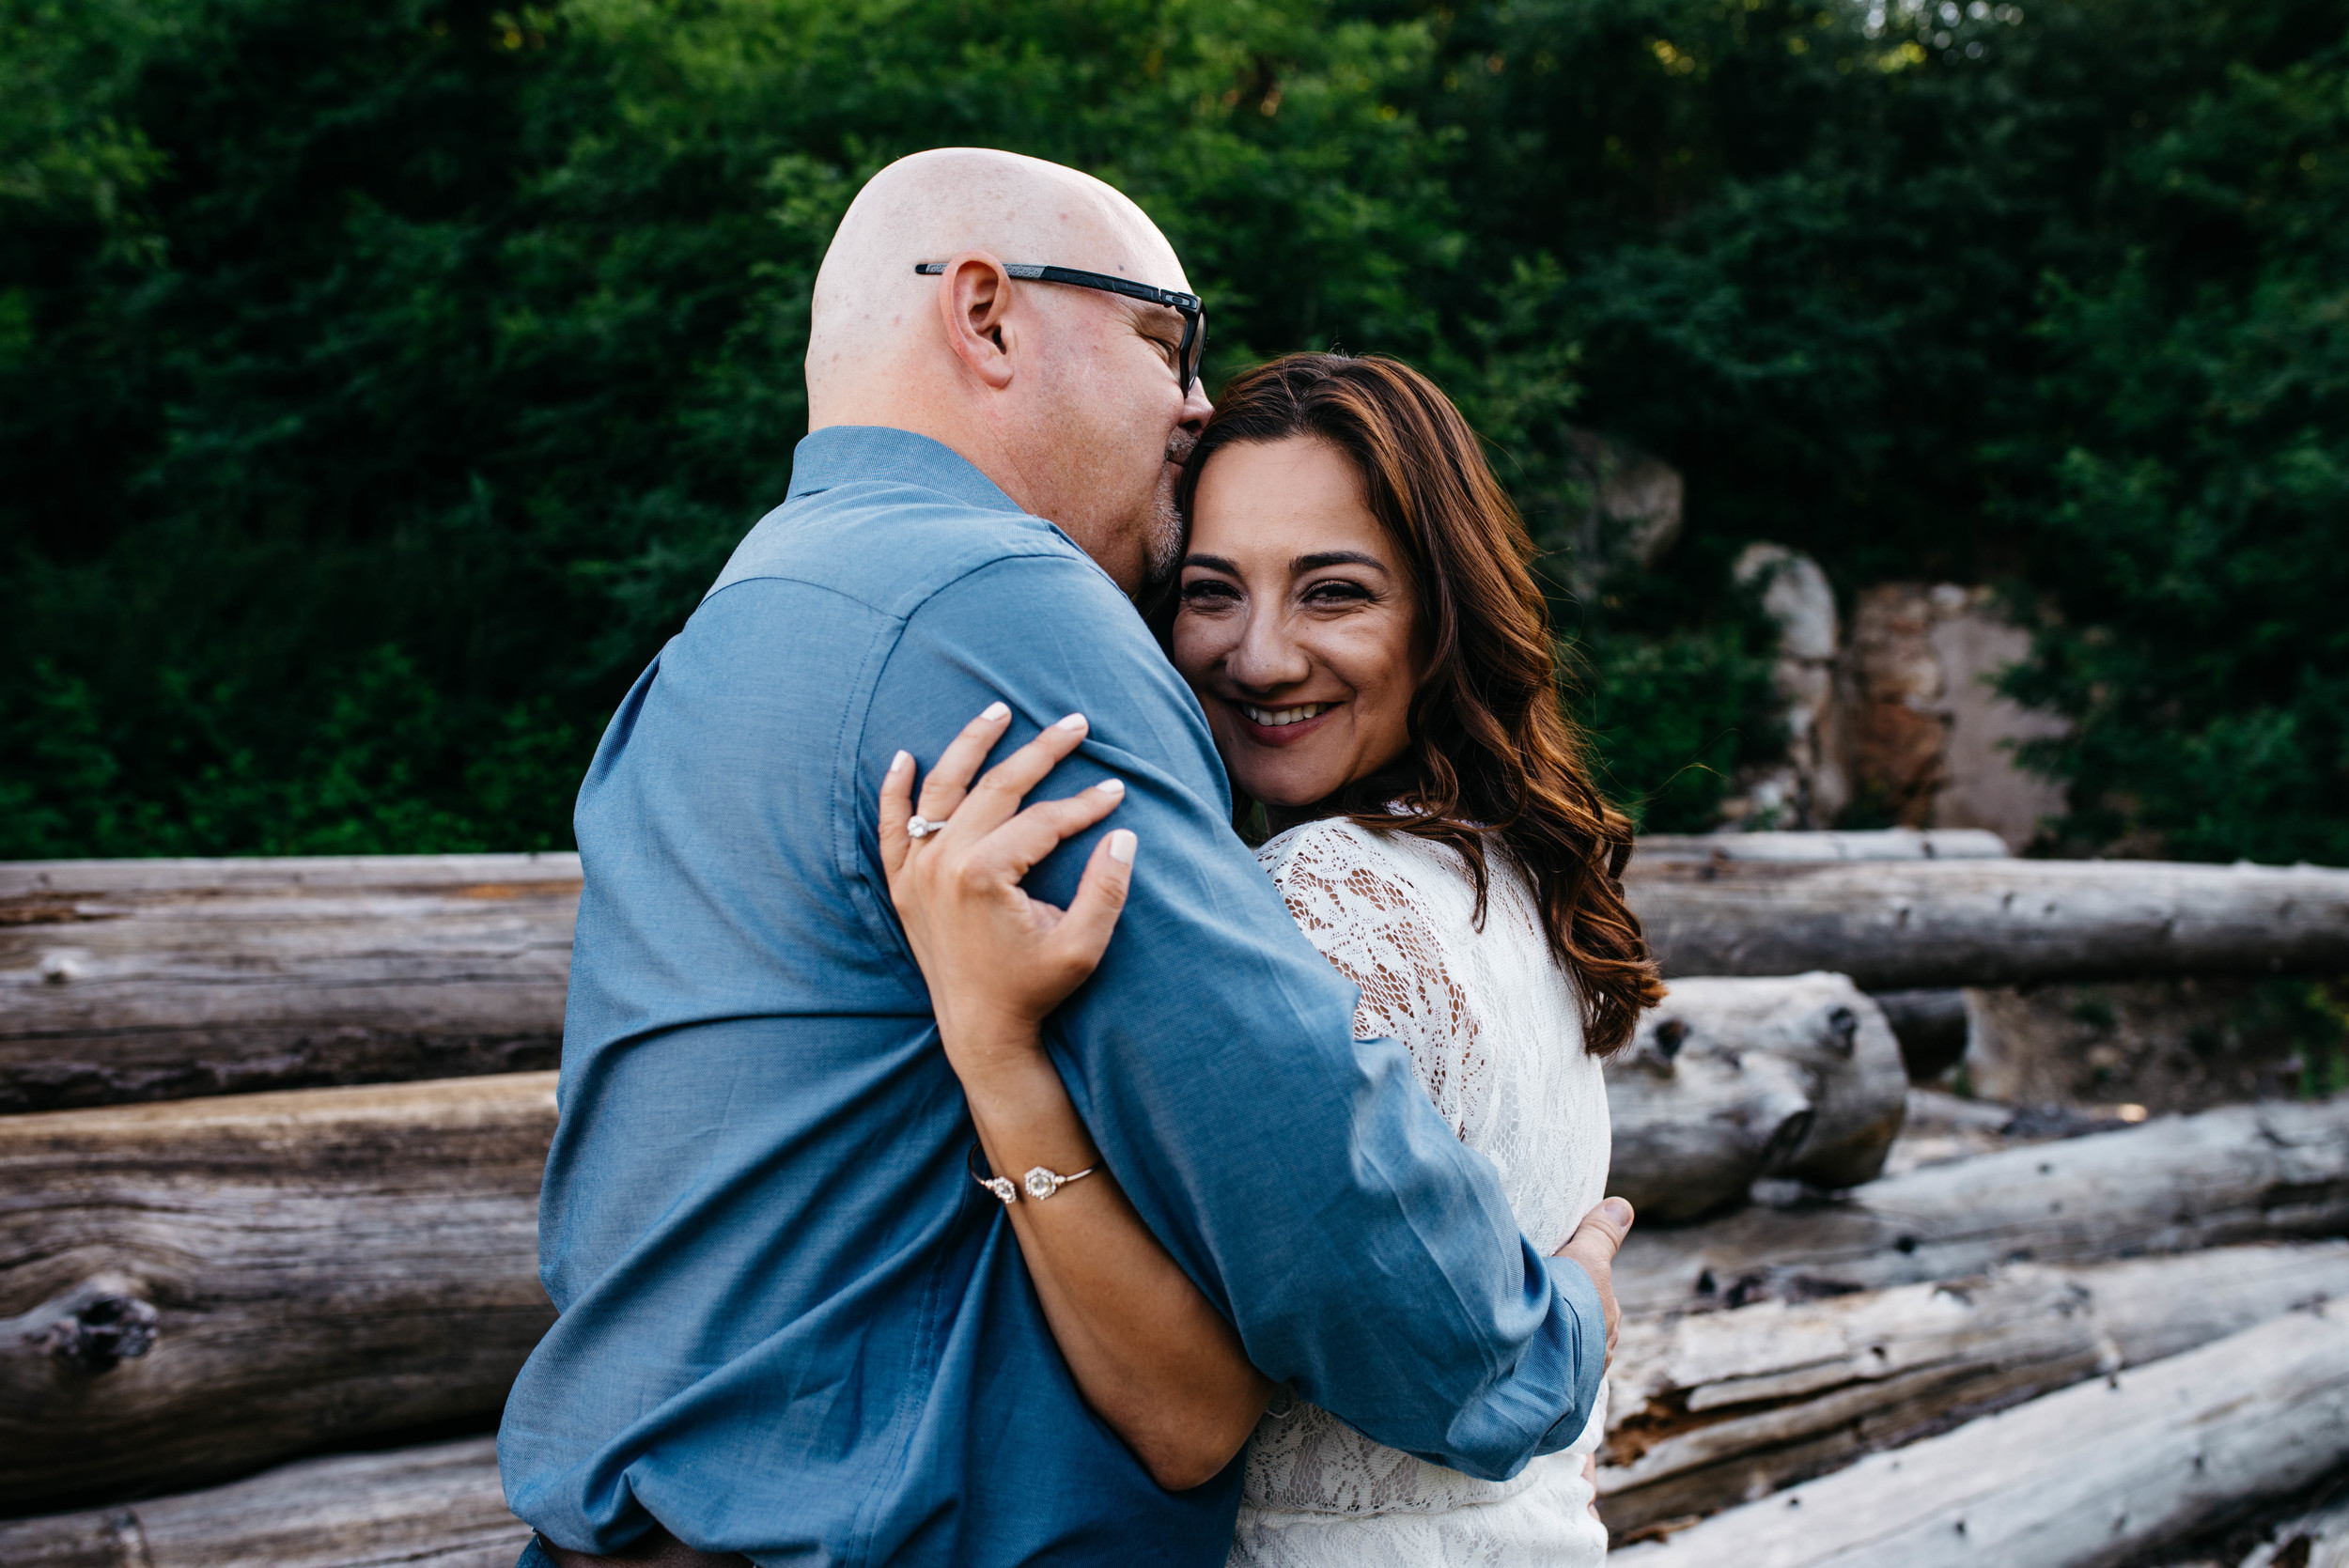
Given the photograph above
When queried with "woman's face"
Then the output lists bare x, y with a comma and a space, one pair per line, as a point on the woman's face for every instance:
1299, 623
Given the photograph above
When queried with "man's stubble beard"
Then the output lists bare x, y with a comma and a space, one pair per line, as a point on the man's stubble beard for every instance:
1162, 532
1162, 540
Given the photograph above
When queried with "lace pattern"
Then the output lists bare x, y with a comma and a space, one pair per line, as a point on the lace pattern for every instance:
1547, 1526
1495, 1033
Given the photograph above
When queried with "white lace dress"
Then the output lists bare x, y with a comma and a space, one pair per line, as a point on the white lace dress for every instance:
1493, 1027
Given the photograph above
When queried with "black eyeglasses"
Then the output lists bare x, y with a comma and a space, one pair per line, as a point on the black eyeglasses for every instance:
1194, 313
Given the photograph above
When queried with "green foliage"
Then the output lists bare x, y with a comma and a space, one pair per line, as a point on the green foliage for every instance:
1672, 716
2194, 567
2322, 1016
378, 772
385, 379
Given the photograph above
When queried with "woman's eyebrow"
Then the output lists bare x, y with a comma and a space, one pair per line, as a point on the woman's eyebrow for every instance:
1304, 563
1212, 563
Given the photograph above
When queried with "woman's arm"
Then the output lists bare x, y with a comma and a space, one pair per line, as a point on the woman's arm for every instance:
1152, 1357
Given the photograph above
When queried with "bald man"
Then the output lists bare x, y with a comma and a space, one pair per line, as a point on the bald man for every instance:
793, 1329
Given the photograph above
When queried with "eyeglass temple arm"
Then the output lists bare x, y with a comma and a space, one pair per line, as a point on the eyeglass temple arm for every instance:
1042, 273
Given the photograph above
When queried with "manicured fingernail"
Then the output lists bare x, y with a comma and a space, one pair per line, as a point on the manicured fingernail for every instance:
1112, 786
1122, 847
996, 710
897, 763
1074, 721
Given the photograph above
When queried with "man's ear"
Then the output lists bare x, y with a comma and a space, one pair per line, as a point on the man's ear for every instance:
974, 297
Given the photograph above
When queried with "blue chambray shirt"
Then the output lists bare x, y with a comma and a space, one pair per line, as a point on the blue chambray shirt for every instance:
790, 1326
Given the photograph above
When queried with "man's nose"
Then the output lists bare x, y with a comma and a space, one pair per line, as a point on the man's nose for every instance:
1196, 408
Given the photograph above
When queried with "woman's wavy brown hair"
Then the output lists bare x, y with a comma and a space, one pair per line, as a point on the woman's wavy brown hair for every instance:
1493, 756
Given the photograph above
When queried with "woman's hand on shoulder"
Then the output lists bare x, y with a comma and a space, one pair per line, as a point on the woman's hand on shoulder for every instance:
996, 959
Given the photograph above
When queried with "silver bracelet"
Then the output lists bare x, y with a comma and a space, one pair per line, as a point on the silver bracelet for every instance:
1041, 1182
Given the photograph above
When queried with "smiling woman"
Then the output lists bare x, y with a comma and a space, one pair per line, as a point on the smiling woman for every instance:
1299, 624
1356, 617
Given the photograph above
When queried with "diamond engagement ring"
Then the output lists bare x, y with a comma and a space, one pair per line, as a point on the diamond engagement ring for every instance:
921, 826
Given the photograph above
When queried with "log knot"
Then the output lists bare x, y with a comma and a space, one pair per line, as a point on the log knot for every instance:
1765, 1285
58, 968
102, 1333
1785, 1141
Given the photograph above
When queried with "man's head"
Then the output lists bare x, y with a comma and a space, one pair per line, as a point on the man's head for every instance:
1068, 398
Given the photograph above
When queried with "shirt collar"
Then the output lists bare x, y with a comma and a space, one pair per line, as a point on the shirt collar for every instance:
845, 454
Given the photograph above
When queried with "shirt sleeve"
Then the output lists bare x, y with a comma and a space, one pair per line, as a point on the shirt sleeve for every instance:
1301, 1177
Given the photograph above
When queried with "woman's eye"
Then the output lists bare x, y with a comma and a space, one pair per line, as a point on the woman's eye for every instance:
1209, 595
1336, 593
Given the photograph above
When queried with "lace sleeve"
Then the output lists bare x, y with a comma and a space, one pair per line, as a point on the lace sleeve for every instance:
1359, 905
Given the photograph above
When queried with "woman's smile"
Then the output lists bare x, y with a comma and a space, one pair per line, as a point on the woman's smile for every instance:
1283, 726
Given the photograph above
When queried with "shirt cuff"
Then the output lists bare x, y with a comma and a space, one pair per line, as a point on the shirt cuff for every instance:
1561, 1364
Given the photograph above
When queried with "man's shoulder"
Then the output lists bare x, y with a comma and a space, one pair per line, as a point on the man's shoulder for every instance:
893, 545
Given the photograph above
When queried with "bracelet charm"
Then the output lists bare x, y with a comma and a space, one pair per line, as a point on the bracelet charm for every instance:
1039, 1183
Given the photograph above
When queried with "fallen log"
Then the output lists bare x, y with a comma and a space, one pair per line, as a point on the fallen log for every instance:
435, 1507
2178, 1184
136, 980
1731, 1080
198, 1288
1884, 844
1714, 1409
2091, 1476
1897, 926
144, 980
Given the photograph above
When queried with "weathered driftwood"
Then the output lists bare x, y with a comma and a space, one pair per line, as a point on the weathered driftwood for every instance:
1731, 1080
1895, 926
2091, 1476
130, 980
1714, 1409
145, 979
435, 1507
2244, 1174
1887, 843
195, 1289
